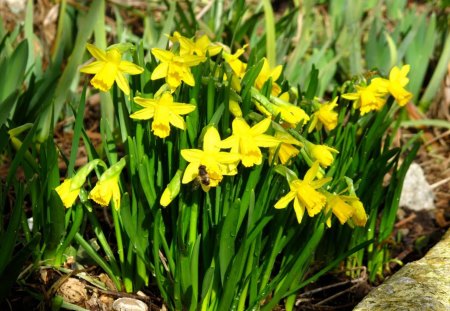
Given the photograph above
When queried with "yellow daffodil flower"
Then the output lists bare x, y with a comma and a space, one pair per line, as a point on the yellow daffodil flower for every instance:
246, 140
325, 116
265, 74
69, 190
105, 190
396, 84
109, 67
346, 208
175, 68
288, 112
201, 47
66, 192
107, 187
367, 98
215, 163
359, 217
164, 112
286, 149
340, 208
236, 65
321, 153
305, 195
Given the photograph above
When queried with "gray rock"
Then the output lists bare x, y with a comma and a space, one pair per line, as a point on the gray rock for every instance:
419, 286
417, 194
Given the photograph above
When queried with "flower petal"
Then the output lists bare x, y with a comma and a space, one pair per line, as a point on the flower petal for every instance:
284, 201
93, 67
211, 140
160, 71
299, 210
143, 114
191, 172
192, 155
130, 68
260, 127
122, 83
96, 52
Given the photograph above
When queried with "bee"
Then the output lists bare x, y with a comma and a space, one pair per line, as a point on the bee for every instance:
203, 175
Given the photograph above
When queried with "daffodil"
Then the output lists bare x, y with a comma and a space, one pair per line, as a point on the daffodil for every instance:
367, 98
175, 68
305, 195
288, 112
109, 67
286, 149
236, 65
107, 187
215, 163
396, 84
247, 140
339, 207
67, 193
105, 190
346, 209
325, 116
164, 112
267, 73
321, 153
69, 190
201, 47
359, 217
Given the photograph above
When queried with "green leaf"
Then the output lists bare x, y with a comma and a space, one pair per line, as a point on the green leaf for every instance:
227, 238
13, 67
15, 266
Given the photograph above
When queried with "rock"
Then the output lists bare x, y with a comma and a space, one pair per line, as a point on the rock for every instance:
73, 291
417, 194
419, 286
129, 304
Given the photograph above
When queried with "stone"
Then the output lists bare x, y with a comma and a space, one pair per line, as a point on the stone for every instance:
129, 304
418, 286
417, 194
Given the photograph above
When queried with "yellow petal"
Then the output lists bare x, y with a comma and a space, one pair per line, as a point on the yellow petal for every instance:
160, 71
130, 68
143, 114
284, 201
191, 172
266, 141
192, 155
68, 197
177, 121
211, 140
299, 210
93, 67
96, 52
104, 79
261, 127
182, 109
163, 55
122, 83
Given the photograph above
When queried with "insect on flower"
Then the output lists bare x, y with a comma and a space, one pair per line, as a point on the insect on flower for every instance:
203, 175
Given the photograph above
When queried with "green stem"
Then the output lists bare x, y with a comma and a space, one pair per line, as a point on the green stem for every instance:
193, 224
99, 260
77, 218
118, 232
104, 243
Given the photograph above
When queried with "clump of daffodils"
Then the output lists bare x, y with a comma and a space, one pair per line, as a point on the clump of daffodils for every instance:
276, 128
